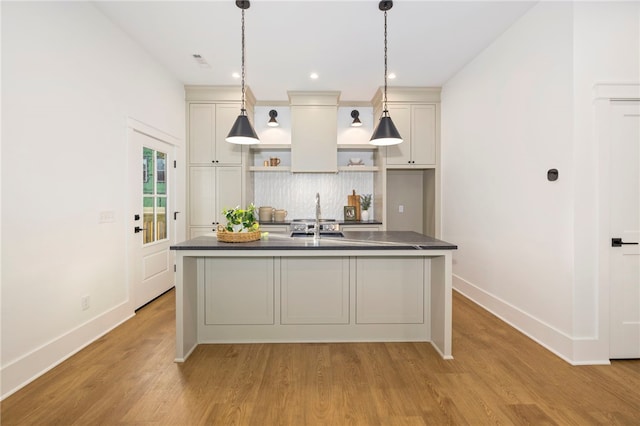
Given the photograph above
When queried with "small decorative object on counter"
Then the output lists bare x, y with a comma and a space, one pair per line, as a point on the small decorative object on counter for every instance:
354, 200
266, 213
349, 213
242, 225
365, 204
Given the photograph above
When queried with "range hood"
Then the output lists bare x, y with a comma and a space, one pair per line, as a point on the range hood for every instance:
314, 131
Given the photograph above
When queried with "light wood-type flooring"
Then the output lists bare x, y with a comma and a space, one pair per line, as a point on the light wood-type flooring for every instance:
498, 376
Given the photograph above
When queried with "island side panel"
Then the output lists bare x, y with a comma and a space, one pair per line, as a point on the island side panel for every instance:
186, 306
441, 300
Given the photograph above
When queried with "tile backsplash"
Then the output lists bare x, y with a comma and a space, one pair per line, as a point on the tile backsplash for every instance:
296, 192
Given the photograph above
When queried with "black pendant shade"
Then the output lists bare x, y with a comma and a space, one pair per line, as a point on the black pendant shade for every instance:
386, 133
242, 132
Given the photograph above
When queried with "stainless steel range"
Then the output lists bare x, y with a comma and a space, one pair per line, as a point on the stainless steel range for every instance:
307, 226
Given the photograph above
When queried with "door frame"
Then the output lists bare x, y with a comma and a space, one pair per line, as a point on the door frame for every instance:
177, 227
604, 95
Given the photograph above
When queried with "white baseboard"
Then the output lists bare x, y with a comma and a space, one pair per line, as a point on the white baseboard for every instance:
29, 367
573, 351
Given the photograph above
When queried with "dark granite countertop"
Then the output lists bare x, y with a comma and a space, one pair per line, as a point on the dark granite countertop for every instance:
340, 222
382, 240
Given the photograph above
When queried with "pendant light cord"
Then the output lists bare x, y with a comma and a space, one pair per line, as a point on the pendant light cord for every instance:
385, 112
242, 108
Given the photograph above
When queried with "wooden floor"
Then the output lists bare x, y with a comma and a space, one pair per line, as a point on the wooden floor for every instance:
498, 376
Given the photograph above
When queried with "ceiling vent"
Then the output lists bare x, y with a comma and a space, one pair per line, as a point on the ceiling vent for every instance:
202, 62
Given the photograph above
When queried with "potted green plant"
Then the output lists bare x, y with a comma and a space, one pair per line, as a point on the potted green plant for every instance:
365, 204
241, 220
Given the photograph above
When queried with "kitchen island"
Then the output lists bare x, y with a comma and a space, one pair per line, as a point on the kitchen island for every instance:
367, 286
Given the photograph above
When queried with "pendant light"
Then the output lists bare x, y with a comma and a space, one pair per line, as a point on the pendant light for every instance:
386, 132
242, 131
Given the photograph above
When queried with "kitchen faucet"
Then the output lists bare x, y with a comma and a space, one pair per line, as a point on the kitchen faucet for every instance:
316, 230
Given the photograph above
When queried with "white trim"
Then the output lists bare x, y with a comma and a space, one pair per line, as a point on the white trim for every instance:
608, 91
604, 94
153, 132
544, 334
32, 365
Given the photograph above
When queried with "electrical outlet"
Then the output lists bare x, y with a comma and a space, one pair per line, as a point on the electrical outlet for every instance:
400, 208
107, 216
84, 302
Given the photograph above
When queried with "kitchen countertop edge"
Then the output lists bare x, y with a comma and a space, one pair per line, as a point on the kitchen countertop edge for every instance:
374, 240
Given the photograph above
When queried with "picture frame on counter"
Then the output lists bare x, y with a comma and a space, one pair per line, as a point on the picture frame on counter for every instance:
349, 213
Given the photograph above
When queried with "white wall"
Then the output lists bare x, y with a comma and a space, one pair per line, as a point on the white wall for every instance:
70, 81
524, 105
606, 50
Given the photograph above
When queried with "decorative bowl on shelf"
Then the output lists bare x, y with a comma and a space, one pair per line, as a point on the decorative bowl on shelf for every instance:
356, 162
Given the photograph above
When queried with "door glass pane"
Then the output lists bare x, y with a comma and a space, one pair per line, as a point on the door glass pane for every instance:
148, 166
148, 220
161, 218
155, 202
161, 187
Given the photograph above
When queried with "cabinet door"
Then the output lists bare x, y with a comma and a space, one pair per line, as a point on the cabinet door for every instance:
202, 196
390, 292
400, 154
274, 228
225, 152
201, 133
314, 136
423, 134
238, 291
228, 190
315, 290
359, 228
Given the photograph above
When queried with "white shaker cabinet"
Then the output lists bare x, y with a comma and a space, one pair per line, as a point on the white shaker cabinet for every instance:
209, 125
217, 169
213, 189
417, 126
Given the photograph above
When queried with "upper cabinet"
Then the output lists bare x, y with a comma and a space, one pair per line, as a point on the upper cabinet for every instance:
415, 112
212, 110
314, 129
209, 125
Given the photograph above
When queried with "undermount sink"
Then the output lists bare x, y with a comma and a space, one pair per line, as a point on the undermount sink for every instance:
336, 234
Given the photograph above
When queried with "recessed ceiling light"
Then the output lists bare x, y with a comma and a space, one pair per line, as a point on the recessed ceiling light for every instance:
314, 76
235, 75
392, 75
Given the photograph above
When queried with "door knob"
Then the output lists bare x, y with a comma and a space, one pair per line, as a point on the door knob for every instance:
617, 242
138, 229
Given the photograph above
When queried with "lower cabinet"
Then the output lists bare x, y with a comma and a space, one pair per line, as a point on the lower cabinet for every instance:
314, 290
315, 298
390, 292
361, 228
274, 228
238, 291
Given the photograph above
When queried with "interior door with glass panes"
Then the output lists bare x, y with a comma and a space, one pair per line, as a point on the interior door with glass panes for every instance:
151, 231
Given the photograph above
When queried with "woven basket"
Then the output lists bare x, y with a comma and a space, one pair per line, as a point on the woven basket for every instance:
236, 237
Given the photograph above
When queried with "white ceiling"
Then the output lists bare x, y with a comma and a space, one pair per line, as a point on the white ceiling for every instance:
428, 41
